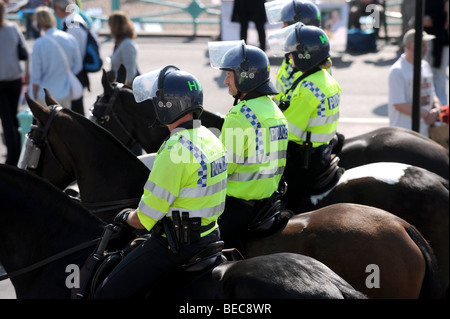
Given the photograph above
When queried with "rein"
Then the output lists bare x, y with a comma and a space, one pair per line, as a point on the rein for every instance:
50, 259
104, 118
42, 139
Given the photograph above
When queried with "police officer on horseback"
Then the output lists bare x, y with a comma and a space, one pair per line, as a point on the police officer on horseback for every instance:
255, 135
311, 106
309, 98
185, 192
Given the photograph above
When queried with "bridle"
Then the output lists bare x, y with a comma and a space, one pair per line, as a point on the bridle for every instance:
36, 140
34, 144
99, 114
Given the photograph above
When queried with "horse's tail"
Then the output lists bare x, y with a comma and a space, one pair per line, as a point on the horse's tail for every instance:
432, 285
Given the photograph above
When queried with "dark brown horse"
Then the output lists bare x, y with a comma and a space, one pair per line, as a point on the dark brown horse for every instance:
340, 235
62, 168
290, 242
118, 112
61, 234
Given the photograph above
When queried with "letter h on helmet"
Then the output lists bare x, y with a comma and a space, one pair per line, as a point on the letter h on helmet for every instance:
174, 93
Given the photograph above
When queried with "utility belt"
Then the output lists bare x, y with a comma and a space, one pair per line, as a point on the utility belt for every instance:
251, 203
306, 151
261, 206
181, 230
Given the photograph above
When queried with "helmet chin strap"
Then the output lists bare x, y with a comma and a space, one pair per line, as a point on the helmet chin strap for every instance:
156, 124
237, 97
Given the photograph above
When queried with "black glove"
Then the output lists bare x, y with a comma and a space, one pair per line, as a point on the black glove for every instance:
121, 217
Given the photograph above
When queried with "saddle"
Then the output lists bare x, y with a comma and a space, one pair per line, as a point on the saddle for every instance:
212, 255
337, 143
328, 178
269, 223
270, 217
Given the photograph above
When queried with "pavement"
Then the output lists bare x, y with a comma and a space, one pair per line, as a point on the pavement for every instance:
362, 77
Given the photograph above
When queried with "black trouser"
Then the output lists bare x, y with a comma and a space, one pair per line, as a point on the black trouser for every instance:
297, 178
259, 28
146, 264
9, 100
235, 221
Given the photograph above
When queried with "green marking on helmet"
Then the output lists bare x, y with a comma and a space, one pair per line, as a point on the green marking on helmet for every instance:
319, 17
193, 85
323, 38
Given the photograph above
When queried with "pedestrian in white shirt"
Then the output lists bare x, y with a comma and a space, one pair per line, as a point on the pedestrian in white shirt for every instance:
401, 77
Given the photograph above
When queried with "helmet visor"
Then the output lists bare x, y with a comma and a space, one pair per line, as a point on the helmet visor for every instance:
273, 10
145, 86
277, 40
217, 50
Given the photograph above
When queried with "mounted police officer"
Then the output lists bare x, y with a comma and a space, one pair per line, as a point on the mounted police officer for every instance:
185, 192
255, 135
312, 109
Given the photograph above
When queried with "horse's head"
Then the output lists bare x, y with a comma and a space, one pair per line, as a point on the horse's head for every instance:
117, 111
103, 112
40, 152
130, 122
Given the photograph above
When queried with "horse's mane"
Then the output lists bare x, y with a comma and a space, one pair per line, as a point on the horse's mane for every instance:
143, 108
109, 141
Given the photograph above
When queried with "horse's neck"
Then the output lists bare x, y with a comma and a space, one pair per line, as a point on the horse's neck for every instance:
46, 222
107, 171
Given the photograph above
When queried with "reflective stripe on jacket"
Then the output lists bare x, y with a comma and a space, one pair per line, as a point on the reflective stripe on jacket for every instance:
255, 135
314, 107
189, 175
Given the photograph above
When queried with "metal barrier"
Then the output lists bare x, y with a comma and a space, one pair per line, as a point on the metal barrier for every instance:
391, 17
195, 8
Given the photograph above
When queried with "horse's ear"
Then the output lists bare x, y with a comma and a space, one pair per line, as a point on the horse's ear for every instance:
107, 86
49, 98
121, 74
39, 111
